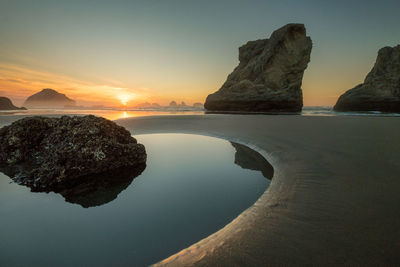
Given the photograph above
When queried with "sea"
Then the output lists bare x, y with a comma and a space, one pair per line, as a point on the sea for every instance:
114, 114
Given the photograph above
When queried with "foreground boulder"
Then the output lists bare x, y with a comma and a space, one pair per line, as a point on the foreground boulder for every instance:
381, 88
6, 104
70, 155
269, 75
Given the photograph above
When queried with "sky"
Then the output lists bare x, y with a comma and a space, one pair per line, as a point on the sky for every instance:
114, 52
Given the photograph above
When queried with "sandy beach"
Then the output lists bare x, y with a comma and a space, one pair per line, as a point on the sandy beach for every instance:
333, 200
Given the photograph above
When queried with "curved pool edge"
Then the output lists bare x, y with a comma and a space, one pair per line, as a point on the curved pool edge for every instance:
238, 226
199, 249
333, 201
242, 224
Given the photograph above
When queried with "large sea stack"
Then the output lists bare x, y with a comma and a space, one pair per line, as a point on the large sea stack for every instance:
6, 104
269, 75
381, 88
49, 98
74, 156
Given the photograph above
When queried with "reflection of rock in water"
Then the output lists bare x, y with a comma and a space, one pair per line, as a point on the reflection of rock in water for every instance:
102, 188
248, 158
93, 190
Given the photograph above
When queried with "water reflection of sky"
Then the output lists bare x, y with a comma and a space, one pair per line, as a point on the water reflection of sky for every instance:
190, 188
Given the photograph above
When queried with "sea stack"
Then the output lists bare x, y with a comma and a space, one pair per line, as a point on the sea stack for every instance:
49, 98
381, 88
269, 75
6, 104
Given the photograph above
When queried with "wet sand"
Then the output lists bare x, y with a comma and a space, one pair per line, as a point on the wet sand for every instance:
334, 198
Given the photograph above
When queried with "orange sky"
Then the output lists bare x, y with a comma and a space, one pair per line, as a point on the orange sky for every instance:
132, 52
18, 83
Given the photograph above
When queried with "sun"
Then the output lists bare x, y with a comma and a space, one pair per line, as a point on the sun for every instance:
124, 101
125, 98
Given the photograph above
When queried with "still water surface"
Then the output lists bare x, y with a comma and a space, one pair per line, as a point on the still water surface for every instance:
123, 114
192, 187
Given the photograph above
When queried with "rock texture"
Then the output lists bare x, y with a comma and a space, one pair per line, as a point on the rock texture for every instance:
49, 98
381, 88
70, 155
269, 75
6, 104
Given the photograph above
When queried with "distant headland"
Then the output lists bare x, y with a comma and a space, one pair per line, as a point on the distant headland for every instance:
48, 98
6, 104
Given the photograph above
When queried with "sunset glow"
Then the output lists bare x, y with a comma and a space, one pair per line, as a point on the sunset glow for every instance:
199, 133
125, 98
117, 55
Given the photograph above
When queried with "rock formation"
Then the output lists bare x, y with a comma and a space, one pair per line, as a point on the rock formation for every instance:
173, 104
381, 88
198, 105
6, 104
143, 105
269, 75
69, 155
147, 105
49, 98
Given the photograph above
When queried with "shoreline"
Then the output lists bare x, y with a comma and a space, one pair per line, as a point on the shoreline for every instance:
333, 198
113, 114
